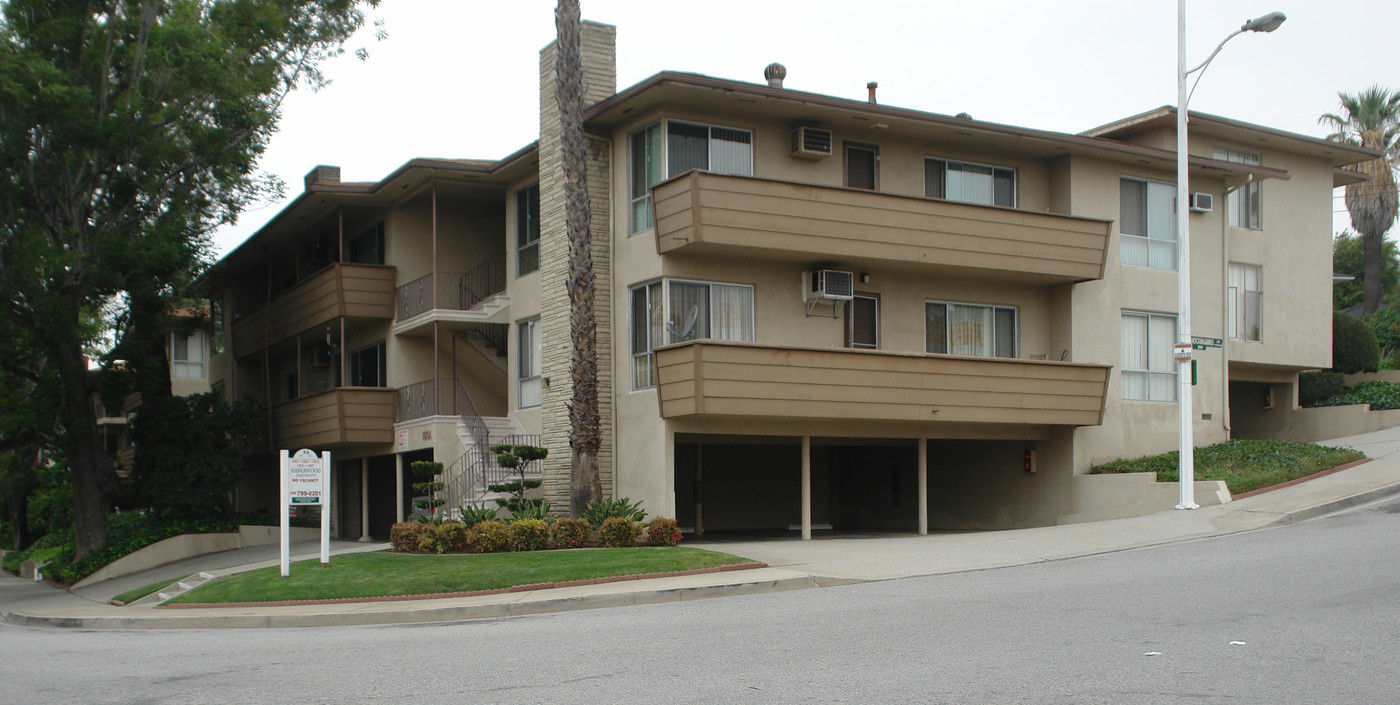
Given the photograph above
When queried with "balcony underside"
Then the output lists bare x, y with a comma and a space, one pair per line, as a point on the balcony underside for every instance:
350, 290
726, 379
699, 213
344, 416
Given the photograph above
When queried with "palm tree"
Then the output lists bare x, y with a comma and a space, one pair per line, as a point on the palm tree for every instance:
1371, 119
584, 434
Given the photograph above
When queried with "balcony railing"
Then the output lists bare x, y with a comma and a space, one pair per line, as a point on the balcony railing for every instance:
358, 290
745, 216
457, 291
733, 379
340, 416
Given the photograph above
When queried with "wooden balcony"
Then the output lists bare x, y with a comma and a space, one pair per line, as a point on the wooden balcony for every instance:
703, 213
338, 417
353, 290
731, 379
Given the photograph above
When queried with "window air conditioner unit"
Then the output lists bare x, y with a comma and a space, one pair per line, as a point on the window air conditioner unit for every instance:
1202, 202
827, 285
811, 143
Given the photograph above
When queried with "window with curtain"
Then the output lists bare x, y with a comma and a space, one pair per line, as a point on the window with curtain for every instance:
686, 146
527, 229
685, 310
1244, 300
1149, 373
187, 355
969, 329
1242, 204
970, 183
1147, 223
530, 367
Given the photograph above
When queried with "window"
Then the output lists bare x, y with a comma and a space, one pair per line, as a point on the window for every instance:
1244, 301
367, 366
970, 183
1147, 223
1148, 370
1242, 205
969, 329
187, 355
686, 146
862, 166
685, 310
530, 367
293, 388
527, 230
863, 322
367, 247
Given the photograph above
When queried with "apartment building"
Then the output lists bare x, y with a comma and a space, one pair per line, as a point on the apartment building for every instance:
812, 311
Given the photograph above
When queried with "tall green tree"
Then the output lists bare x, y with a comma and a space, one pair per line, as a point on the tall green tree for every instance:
1347, 258
1371, 119
129, 129
584, 428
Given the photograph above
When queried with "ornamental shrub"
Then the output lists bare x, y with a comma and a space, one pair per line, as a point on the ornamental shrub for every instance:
1381, 395
526, 534
487, 537
569, 532
1354, 347
406, 536
449, 536
471, 515
1385, 323
663, 532
599, 510
619, 532
1317, 387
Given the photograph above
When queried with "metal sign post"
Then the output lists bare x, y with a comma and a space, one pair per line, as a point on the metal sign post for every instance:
306, 482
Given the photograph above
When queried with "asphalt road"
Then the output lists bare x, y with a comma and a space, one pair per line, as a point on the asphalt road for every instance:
1298, 614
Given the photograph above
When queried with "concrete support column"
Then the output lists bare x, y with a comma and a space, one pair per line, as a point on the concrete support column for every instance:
923, 486
806, 488
398, 487
699, 490
364, 500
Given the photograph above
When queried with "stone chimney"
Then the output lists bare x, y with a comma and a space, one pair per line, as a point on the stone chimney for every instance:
598, 49
322, 174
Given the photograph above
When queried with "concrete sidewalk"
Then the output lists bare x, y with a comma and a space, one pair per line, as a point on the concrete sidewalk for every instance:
793, 564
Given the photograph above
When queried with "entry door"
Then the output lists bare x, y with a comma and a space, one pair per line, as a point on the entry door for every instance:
862, 166
863, 321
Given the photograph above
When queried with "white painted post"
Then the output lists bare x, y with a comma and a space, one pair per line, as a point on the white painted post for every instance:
283, 499
326, 509
398, 487
923, 486
806, 488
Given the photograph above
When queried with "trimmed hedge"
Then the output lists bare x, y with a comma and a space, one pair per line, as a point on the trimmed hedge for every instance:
1354, 346
527, 534
1381, 395
663, 532
619, 532
568, 532
1317, 387
487, 537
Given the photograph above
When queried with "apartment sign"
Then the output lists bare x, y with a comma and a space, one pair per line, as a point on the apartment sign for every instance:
306, 482
306, 479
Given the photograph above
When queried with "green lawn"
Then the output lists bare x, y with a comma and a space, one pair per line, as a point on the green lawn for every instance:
1244, 465
385, 574
131, 596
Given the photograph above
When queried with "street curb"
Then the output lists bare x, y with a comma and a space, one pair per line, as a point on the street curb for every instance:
1336, 505
190, 620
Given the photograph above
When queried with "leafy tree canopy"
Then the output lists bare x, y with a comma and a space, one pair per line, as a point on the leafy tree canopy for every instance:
1347, 258
129, 129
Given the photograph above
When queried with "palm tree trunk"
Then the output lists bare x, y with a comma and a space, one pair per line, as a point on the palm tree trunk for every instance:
584, 434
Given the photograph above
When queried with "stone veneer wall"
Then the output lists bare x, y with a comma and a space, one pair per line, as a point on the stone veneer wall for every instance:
598, 44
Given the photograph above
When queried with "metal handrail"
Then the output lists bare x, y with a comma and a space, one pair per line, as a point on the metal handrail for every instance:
480, 283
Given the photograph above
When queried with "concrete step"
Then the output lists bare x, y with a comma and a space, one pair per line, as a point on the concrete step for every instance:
172, 591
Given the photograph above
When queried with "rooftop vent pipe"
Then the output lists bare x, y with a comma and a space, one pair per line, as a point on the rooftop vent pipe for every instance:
871, 87
775, 73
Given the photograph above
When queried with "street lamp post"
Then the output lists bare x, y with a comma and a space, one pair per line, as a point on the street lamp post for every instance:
1186, 474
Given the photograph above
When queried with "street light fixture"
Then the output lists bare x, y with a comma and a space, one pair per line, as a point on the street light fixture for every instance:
1186, 475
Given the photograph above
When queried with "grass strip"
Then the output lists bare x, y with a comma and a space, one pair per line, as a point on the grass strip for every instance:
131, 596
390, 574
1244, 465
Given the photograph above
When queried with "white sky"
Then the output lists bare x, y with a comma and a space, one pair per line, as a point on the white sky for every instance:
459, 78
